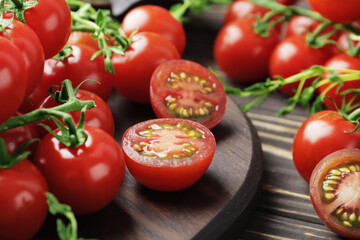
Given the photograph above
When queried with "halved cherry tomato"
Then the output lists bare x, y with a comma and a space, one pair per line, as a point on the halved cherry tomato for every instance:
168, 154
321, 134
152, 18
87, 177
185, 89
334, 191
23, 203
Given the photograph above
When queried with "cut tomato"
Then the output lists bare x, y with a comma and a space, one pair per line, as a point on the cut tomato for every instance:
187, 90
168, 154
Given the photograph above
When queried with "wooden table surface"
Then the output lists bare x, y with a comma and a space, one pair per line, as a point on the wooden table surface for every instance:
284, 209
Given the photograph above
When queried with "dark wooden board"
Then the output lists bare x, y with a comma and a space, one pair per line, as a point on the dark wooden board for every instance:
214, 207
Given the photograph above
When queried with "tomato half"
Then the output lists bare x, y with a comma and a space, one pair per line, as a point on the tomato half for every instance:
23, 203
321, 134
334, 192
152, 18
168, 154
345, 11
133, 70
242, 54
13, 79
341, 61
88, 177
185, 89
291, 56
99, 117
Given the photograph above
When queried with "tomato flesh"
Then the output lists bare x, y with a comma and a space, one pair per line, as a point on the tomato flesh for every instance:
335, 192
168, 154
185, 89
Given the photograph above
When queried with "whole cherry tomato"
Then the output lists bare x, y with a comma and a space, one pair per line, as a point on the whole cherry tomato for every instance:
168, 154
85, 38
242, 54
23, 203
78, 67
342, 61
29, 44
133, 70
99, 117
87, 177
151, 18
334, 192
13, 77
185, 89
345, 11
321, 134
240, 9
299, 25
291, 56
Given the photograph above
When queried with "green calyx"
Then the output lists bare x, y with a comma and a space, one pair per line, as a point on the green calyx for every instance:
10, 160
18, 7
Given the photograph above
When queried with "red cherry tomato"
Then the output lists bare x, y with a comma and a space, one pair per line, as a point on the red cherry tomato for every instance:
77, 68
185, 89
23, 203
51, 21
291, 56
299, 25
99, 117
133, 70
29, 44
241, 9
342, 61
334, 193
151, 18
168, 154
345, 11
13, 77
287, 2
85, 38
242, 54
87, 177
321, 134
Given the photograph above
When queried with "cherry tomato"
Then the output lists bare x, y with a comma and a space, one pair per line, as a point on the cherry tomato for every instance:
87, 177
299, 25
23, 203
13, 77
168, 154
321, 134
29, 44
185, 89
77, 68
151, 18
242, 54
85, 38
342, 61
345, 11
287, 2
334, 191
344, 42
133, 70
99, 117
245, 9
51, 21
291, 56
16, 137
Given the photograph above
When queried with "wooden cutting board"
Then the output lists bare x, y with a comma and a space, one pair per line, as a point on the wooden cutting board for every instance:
214, 207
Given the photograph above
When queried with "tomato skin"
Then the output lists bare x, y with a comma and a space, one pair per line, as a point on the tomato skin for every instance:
84, 38
55, 13
87, 177
241, 9
167, 175
330, 9
342, 61
299, 25
13, 77
291, 56
159, 91
329, 162
320, 135
152, 18
23, 203
77, 68
30, 46
99, 117
133, 70
242, 54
